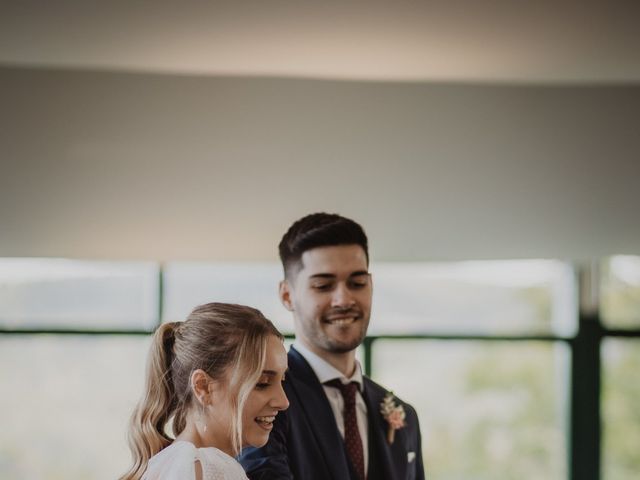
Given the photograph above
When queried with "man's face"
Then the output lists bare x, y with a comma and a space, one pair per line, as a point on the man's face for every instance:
330, 297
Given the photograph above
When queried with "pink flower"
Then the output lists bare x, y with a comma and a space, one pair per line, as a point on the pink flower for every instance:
394, 415
396, 419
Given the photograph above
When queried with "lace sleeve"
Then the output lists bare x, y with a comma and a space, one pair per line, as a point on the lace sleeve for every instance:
217, 465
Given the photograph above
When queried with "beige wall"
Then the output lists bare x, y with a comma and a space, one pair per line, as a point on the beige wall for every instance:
115, 165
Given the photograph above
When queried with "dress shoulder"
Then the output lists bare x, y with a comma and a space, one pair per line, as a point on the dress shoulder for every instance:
217, 465
177, 462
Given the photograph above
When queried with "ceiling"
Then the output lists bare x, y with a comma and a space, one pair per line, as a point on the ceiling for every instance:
445, 41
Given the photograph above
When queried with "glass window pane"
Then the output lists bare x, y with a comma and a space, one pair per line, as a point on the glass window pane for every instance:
483, 297
66, 403
43, 293
488, 410
255, 284
620, 408
620, 292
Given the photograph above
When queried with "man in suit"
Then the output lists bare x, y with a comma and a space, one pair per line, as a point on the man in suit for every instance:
334, 427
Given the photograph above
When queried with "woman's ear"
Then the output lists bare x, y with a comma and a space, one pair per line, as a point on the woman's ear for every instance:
201, 386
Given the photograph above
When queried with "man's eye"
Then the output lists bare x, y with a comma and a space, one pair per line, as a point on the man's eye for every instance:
358, 284
322, 286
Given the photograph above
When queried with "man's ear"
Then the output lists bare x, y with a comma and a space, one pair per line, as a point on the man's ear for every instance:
201, 386
284, 291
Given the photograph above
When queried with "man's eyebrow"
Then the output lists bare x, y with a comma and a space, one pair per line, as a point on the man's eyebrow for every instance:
322, 275
359, 273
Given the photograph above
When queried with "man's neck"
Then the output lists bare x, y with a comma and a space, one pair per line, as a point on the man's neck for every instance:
343, 362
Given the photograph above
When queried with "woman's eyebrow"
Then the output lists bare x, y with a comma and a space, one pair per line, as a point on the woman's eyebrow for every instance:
273, 373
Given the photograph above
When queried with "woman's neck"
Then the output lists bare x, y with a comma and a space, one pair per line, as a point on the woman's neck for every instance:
202, 438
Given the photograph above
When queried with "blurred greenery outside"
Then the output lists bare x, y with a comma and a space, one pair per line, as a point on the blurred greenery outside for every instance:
620, 297
621, 409
500, 410
620, 394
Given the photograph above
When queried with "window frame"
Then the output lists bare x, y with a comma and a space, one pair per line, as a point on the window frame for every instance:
585, 430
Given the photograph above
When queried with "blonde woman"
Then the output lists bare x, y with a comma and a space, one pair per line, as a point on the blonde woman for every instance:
217, 377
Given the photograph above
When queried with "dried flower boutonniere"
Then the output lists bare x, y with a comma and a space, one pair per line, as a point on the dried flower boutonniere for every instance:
393, 414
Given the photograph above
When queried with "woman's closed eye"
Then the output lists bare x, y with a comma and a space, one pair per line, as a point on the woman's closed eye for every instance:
263, 382
268, 380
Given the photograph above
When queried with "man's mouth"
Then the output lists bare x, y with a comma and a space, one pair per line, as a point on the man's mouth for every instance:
265, 422
342, 320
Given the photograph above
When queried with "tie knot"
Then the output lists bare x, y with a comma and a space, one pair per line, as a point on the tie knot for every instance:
348, 390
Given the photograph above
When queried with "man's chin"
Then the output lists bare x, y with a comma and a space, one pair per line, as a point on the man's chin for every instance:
343, 347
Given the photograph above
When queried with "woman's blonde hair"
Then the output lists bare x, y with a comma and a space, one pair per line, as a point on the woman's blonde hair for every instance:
219, 338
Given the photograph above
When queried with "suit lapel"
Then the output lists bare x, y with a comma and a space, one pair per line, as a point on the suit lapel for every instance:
314, 403
391, 458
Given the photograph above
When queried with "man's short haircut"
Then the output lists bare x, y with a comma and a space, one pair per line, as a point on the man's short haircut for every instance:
319, 230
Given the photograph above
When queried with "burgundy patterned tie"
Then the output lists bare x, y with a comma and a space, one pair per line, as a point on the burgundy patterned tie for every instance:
351, 433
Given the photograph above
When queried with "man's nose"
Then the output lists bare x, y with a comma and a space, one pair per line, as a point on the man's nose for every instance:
342, 297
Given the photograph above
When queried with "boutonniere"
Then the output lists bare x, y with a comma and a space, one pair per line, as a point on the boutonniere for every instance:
393, 414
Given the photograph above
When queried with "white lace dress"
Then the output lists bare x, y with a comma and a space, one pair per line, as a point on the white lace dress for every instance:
177, 462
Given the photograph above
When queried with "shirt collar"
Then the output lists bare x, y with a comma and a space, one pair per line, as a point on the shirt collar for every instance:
324, 370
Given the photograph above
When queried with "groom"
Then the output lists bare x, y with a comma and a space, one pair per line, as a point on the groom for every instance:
340, 424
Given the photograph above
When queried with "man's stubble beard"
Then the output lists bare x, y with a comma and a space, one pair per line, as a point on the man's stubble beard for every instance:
335, 346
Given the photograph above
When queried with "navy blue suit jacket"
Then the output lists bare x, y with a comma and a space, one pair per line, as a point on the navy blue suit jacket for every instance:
305, 443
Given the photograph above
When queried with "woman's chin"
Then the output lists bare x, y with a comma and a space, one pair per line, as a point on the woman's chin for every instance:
256, 441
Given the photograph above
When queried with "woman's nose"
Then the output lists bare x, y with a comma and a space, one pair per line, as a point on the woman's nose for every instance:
280, 401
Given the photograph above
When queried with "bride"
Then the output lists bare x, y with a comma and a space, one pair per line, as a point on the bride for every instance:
218, 378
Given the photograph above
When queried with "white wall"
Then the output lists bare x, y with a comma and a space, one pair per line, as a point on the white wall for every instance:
115, 165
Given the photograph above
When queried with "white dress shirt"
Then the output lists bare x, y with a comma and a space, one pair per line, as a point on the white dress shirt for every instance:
326, 372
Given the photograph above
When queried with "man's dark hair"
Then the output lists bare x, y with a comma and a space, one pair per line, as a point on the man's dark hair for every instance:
319, 230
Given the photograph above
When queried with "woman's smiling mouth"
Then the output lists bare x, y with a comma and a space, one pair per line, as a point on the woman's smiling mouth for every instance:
266, 422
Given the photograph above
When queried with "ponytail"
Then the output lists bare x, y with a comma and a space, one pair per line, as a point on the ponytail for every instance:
158, 403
